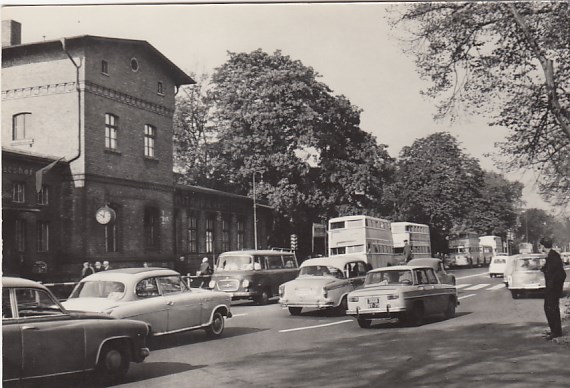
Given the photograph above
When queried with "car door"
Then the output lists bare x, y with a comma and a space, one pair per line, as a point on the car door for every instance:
440, 293
11, 339
184, 305
149, 306
426, 291
43, 325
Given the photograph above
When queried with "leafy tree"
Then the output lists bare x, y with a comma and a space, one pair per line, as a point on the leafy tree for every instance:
272, 117
509, 61
533, 225
436, 183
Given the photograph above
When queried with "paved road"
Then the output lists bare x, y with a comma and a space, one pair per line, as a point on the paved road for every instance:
494, 341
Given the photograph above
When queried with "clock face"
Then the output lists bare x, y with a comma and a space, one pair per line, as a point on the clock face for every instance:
104, 215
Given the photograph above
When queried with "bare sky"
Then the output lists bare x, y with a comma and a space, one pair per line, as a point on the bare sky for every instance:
350, 45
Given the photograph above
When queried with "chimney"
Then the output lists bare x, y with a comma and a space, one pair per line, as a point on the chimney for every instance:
11, 33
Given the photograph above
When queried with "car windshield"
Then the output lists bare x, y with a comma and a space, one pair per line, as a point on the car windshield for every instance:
530, 263
98, 289
390, 277
235, 263
321, 270
499, 261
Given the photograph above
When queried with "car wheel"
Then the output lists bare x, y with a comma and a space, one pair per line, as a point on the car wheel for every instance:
450, 312
364, 323
415, 317
515, 294
342, 306
216, 328
113, 362
491, 275
295, 310
263, 298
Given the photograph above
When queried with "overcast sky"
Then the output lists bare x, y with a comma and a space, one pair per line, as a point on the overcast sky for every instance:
350, 45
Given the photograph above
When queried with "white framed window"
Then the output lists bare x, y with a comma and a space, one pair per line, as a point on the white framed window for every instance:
111, 131
42, 236
193, 233
149, 140
160, 88
20, 125
19, 192
43, 195
210, 222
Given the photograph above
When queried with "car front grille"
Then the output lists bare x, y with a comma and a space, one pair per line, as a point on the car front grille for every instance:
229, 285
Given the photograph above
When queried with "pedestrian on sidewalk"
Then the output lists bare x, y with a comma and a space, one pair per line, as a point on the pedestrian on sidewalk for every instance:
554, 276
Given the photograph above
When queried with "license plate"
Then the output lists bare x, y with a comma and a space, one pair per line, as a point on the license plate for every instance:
373, 303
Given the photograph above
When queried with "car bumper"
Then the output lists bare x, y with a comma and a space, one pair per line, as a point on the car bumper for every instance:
312, 304
528, 287
141, 355
392, 312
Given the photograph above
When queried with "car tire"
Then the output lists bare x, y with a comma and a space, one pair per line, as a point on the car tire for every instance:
415, 317
364, 323
263, 298
295, 310
515, 294
113, 363
450, 312
342, 306
216, 328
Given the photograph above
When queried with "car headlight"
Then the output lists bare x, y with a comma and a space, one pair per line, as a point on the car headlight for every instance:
281, 290
353, 299
212, 284
245, 283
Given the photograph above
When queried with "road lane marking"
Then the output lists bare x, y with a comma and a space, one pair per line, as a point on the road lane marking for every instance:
460, 286
316, 326
472, 276
238, 315
466, 296
496, 287
477, 287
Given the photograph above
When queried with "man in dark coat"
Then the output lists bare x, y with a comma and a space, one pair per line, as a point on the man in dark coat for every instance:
554, 276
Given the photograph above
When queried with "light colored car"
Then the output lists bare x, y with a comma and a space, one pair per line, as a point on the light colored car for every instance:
498, 265
438, 267
42, 339
323, 283
408, 293
524, 274
158, 296
565, 257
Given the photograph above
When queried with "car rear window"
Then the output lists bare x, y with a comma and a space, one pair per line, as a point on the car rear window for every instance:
98, 289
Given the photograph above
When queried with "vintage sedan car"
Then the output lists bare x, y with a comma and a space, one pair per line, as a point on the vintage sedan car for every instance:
323, 283
565, 257
438, 267
498, 265
524, 275
406, 292
158, 296
42, 340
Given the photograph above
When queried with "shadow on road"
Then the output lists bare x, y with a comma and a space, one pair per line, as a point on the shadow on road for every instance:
491, 355
153, 370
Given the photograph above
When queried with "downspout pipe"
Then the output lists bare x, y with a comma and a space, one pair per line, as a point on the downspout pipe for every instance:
78, 88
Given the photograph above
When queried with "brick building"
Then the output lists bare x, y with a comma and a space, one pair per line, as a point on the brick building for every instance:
88, 120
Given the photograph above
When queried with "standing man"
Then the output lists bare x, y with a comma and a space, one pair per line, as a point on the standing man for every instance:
554, 277
408, 255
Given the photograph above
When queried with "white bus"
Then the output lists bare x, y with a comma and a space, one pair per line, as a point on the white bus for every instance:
367, 237
417, 236
464, 250
490, 246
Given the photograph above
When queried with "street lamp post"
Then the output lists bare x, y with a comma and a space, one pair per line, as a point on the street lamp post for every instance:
255, 210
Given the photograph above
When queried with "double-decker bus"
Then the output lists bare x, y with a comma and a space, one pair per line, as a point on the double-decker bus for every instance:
367, 237
464, 250
417, 236
490, 246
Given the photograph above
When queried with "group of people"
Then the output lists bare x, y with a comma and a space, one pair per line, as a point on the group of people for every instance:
89, 269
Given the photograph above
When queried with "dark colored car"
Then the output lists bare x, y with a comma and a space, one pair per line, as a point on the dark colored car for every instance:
41, 339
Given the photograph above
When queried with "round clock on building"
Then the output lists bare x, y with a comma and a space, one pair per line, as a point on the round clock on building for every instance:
105, 215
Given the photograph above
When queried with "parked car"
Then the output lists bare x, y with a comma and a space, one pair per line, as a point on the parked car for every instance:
498, 265
158, 296
323, 283
438, 267
524, 274
41, 339
408, 293
253, 274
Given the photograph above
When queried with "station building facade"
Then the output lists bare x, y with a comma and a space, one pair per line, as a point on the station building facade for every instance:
87, 162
